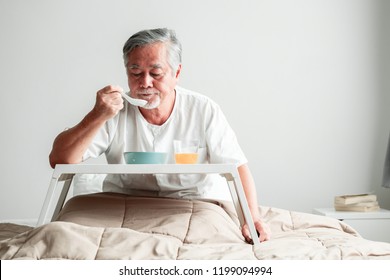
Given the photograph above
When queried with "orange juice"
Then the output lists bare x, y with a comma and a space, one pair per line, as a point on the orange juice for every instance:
188, 158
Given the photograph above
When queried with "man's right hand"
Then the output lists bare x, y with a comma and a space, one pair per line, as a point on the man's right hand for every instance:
108, 102
70, 145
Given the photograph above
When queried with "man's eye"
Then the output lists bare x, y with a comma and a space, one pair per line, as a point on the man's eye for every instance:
136, 74
155, 75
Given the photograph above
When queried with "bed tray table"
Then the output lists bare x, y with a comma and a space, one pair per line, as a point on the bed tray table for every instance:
64, 173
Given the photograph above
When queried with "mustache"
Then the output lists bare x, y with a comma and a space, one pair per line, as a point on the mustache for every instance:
146, 91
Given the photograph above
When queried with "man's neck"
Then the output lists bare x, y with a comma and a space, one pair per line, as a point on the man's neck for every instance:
161, 114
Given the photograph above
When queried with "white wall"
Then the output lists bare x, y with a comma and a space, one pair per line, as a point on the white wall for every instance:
302, 83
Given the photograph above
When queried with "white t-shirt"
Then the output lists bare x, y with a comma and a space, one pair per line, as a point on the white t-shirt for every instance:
194, 117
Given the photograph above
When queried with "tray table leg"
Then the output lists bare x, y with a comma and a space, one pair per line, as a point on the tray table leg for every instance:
241, 204
63, 195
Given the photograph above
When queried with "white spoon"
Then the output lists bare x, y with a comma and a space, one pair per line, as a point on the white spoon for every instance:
134, 101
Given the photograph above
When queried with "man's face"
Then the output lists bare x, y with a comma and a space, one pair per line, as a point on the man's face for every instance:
149, 74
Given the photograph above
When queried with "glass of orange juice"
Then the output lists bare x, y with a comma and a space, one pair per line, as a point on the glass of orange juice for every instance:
186, 151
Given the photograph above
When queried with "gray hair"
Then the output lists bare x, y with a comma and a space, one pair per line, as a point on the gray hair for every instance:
146, 37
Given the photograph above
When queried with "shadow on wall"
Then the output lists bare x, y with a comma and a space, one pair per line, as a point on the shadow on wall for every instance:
384, 112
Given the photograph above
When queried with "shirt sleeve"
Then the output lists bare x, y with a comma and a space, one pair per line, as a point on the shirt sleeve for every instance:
102, 140
222, 143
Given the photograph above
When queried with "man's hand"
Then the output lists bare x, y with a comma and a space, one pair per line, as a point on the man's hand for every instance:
262, 229
250, 193
71, 144
108, 102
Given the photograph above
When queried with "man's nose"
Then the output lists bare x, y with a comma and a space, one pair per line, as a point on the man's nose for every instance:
146, 81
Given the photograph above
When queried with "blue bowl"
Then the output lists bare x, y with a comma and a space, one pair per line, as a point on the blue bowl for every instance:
145, 157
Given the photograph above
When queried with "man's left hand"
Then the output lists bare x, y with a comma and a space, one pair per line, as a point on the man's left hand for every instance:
262, 229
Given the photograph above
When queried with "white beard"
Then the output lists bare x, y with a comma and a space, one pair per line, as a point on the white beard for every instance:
153, 104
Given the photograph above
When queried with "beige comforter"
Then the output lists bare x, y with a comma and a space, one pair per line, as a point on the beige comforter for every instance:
112, 226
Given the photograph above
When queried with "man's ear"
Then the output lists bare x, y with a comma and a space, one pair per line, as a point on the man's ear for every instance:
178, 71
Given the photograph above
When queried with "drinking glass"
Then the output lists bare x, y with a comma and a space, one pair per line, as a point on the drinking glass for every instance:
186, 151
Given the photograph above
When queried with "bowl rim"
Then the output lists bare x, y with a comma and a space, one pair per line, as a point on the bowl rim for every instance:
152, 153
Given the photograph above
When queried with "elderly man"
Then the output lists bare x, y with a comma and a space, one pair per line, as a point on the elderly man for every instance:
153, 64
